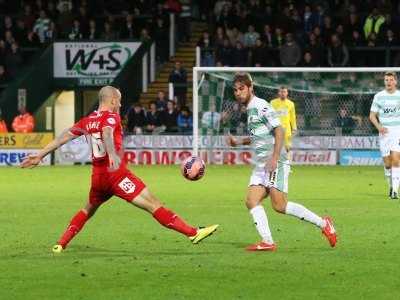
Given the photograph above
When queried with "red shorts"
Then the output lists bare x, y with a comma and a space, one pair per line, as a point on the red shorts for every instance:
121, 183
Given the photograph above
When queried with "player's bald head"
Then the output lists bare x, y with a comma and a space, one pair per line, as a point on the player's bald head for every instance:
107, 93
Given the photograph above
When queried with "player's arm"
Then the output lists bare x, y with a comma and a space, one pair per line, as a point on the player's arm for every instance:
373, 117
278, 132
272, 120
108, 138
33, 160
233, 142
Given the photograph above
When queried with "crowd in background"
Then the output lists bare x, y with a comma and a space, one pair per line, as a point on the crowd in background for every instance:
241, 33
300, 33
161, 116
29, 25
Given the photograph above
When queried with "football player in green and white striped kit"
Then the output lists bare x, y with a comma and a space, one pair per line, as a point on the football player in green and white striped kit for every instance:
385, 115
271, 173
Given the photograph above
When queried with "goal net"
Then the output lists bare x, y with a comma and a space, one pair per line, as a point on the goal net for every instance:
328, 101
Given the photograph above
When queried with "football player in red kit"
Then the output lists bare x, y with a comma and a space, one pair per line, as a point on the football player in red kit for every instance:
110, 175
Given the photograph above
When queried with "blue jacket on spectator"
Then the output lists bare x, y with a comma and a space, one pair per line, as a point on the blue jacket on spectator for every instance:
185, 122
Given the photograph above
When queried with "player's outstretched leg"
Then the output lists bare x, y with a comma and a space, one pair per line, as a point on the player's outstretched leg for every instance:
255, 194
280, 204
169, 219
76, 224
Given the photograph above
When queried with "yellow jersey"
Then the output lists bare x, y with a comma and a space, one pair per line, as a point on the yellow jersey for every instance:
287, 114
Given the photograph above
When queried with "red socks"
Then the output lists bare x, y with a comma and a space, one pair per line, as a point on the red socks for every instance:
74, 227
169, 219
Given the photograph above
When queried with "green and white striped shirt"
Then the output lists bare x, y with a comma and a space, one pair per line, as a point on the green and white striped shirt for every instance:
261, 120
388, 108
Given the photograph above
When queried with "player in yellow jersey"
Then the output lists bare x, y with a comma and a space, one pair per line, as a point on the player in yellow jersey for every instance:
287, 114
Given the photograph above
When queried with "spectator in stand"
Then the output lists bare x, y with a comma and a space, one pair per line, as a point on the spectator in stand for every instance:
211, 119
160, 12
52, 33
24, 122
13, 60
308, 60
307, 19
225, 17
239, 55
136, 119
144, 36
3, 76
169, 118
20, 32
353, 24
340, 32
161, 101
338, 54
28, 17
65, 18
178, 77
207, 50
160, 33
327, 29
235, 36
185, 121
390, 39
76, 32
220, 36
83, 19
356, 39
52, 11
3, 125
318, 16
224, 54
279, 39
41, 26
153, 119
346, 122
9, 39
129, 30
316, 49
373, 23
267, 36
8, 24
250, 37
357, 58
290, 53
93, 33
259, 54
109, 33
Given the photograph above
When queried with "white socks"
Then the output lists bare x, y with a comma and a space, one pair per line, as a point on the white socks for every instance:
261, 222
388, 176
395, 178
303, 213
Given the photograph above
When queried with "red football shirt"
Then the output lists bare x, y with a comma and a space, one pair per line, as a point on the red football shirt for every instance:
92, 127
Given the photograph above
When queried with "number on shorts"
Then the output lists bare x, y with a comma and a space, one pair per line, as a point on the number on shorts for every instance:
97, 145
127, 185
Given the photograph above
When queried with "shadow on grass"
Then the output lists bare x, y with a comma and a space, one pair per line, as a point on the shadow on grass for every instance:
89, 252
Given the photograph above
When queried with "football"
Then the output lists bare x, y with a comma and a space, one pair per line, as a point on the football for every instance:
193, 168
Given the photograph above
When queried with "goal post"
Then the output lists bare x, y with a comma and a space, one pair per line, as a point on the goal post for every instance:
320, 96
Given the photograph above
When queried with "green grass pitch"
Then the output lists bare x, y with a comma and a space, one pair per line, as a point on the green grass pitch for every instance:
123, 253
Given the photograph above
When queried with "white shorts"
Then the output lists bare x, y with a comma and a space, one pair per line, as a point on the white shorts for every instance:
390, 141
278, 179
